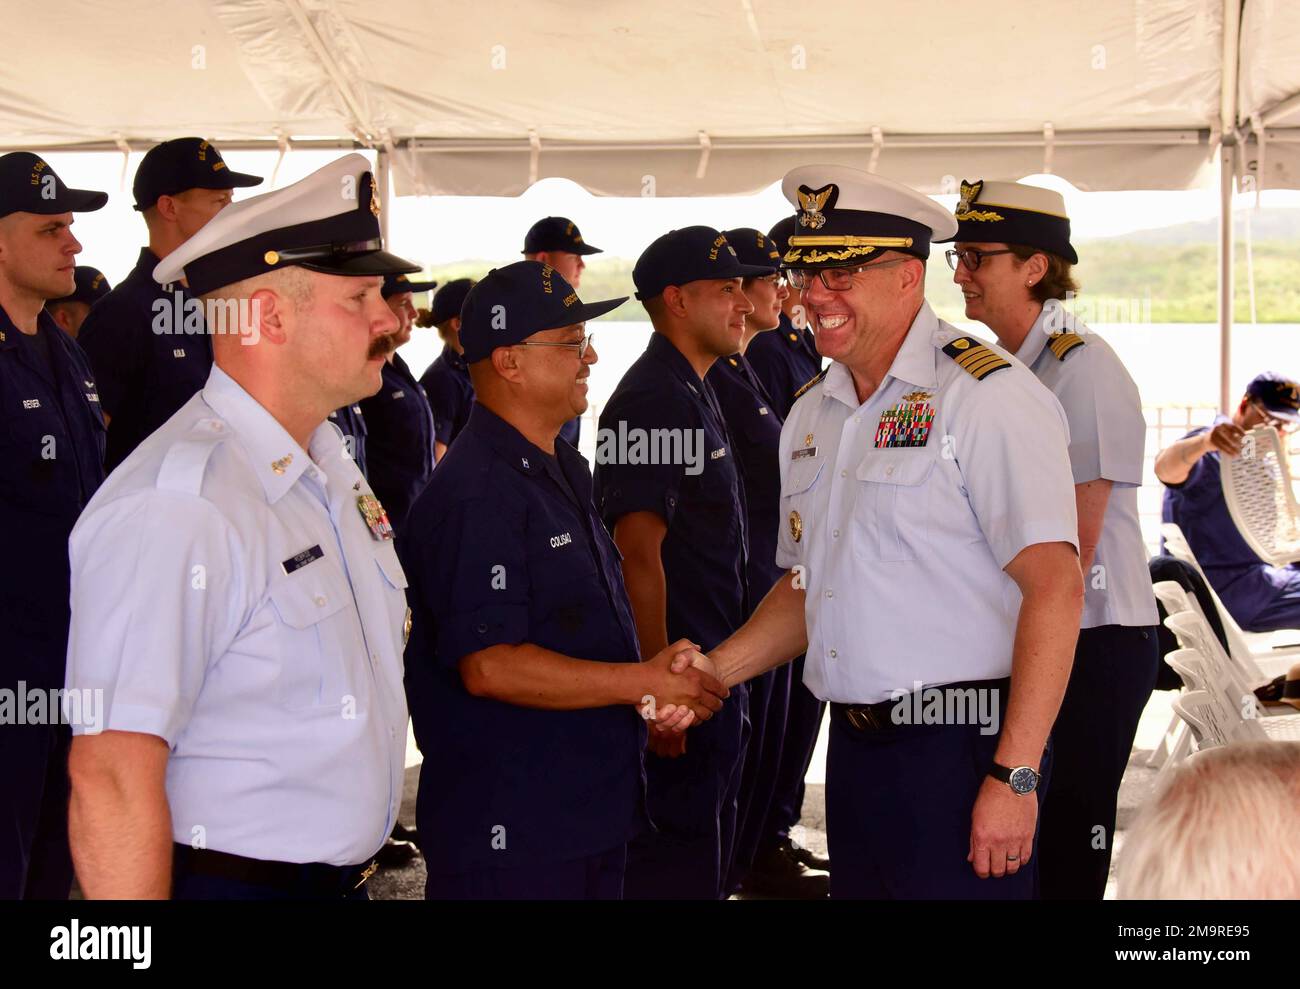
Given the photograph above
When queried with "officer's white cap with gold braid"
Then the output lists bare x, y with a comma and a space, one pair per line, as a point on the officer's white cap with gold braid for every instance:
327, 222
847, 217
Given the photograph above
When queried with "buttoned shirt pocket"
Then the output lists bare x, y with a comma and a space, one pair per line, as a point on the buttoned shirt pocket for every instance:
892, 514
799, 517
319, 632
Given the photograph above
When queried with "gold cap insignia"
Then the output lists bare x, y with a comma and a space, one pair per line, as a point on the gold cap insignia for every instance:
796, 526
970, 194
271, 257
374, 196
811, 204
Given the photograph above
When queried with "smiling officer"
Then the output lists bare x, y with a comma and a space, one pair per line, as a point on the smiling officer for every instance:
51, 456
236, 593
523, 672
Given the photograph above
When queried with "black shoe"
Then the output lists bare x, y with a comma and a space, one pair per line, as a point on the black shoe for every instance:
778, 871
808, 857
404, 834
396, 854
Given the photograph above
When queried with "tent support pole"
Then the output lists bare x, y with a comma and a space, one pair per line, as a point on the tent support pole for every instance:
383, 169
1227, 168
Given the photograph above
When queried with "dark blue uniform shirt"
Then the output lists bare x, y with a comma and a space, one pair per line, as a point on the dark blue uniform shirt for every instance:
451, 393
571, 431
51, 462
399, 441
505, 546
1246, 583
150, 355
352, 423
755, 430
702, 504
784, 359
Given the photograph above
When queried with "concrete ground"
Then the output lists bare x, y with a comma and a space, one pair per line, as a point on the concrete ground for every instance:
407, 882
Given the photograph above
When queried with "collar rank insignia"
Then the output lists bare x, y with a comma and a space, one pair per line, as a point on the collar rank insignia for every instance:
811, 204
974, 358
1063, 344
281, 465
906, 424
375, 516
796, 526
970, 194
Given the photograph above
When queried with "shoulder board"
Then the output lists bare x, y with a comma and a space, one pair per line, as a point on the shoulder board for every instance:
974, 358
808, 384
1063, 343
185, 463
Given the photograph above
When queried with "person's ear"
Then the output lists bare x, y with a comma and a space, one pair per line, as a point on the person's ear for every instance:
267, 316
506, 363
674, 300
1035, 269
61, 316
166, 207
912, 275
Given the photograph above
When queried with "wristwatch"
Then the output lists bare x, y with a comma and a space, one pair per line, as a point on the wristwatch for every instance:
1022, 779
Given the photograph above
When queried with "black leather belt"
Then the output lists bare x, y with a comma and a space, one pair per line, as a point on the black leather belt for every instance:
308, 879
879, 717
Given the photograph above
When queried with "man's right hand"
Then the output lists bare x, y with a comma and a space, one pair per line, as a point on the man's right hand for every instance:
1226, 437
690, 682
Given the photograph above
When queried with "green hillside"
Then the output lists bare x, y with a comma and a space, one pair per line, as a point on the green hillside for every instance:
1122, 281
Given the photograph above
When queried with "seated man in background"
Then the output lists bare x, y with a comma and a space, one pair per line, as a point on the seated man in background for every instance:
1261, 598
1222, 828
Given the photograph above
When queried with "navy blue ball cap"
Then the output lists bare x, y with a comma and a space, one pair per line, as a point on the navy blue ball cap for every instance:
184, 163
1278, 394
753, 247
556, 233
448, 300
690, 254
29, 185
397, 284
512, 303
91, 286
781, 231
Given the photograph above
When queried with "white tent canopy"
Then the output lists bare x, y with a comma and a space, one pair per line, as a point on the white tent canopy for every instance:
708, 98
682, 97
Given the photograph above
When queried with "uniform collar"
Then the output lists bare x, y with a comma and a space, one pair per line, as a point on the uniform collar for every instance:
1035, 342
665, 352
277, 459
453, 359
512, 446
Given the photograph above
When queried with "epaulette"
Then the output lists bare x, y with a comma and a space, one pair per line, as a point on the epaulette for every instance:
816, 378
974, 358
1063, 343
186, 461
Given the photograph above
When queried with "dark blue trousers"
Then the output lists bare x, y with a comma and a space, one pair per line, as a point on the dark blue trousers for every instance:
593, 877
691, 801
1113, 676
192, 886
898, 813
804, 714
35, 863
769, 699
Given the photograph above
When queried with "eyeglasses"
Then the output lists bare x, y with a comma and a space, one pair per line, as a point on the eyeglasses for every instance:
971, 258
835, 279
579, 345
1283, 426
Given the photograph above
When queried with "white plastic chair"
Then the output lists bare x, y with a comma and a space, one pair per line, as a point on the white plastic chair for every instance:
1197, 709
1174, 744
1252, 652
1257, 488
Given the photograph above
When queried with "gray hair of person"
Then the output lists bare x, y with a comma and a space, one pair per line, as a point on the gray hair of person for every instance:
1223, 826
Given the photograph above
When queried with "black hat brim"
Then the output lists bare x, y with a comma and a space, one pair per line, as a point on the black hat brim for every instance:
585, 311
72, 201
361, 263
402, 288
567, 248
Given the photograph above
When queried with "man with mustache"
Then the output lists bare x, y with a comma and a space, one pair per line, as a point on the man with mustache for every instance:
236, 593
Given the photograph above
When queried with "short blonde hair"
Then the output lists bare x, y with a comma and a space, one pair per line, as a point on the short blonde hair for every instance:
1224, 826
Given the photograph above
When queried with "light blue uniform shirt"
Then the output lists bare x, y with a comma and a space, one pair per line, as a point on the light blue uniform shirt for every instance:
1107, 438
229, 597
902, 548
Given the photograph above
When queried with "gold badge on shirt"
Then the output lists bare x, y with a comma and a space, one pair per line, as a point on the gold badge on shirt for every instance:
796, 526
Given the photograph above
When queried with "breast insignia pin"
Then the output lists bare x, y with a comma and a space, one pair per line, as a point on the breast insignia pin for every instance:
796, 526
376, 518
